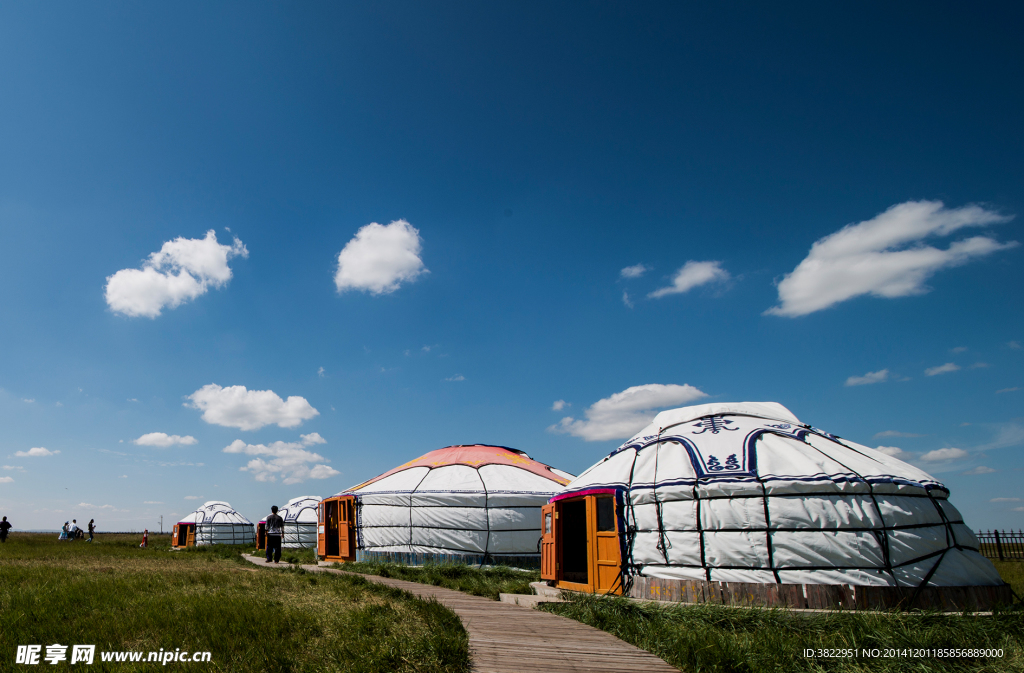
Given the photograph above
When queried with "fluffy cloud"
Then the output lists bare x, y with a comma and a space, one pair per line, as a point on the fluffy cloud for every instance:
981, 469
939, 455
884, 256
1008, 390
559, 405
893, 451
35, 452
896, 433
626, 300
163, 440
380, 258
288, 460
457, 377
691, 275
869, 378
192, 497
623, 414
86, 505
236, 407
184, 269
634, 271
6, 480
942, 369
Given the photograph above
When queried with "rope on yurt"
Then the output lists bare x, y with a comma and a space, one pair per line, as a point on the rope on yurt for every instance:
663, 543
631, 528
768, 529
883, 538
487, 516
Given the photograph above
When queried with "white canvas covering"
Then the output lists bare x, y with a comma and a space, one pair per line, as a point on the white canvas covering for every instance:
217, 523
463, 501
300, 521
746, 493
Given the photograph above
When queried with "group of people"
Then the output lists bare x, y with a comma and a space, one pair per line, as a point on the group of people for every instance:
71, 531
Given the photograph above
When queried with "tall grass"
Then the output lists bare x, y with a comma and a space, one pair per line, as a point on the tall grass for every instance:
714, 638
487, 582
118, 597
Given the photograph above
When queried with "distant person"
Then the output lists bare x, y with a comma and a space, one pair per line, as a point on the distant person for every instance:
145, 539
5, 526
275, 529
92, 528
63, 532
74, 530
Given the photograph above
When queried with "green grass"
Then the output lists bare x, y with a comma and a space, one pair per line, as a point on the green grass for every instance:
1012, 573
719, 639
487, 582
118, 597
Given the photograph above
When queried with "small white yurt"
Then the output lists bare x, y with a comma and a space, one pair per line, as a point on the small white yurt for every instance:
743, 493
468, 504
300, 521
213, 523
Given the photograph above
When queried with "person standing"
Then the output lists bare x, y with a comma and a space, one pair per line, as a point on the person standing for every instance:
92, 528
5, 526
145, 539
275, 530
73, 531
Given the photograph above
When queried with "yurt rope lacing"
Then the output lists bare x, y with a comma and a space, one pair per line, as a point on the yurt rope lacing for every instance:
881, 532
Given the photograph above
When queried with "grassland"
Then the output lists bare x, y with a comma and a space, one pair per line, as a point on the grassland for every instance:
118, 597
488, 581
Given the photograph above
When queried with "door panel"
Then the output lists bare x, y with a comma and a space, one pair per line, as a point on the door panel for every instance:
607, 559
190, 540
320, 537
331, 522
548, 542
346, 529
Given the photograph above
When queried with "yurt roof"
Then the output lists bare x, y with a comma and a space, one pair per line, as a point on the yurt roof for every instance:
505, 469
215, 512
301, 509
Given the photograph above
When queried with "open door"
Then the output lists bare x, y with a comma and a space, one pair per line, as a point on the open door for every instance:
548, 542
190, 540
347, 528
607, 558
174, 536
321, 538
261, 535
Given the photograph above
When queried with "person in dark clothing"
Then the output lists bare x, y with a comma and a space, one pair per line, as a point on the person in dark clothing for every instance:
92, 528
275, 530
5, 526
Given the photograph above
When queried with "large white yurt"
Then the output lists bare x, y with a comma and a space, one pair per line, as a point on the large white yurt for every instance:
469, 504
213, 523
716, 494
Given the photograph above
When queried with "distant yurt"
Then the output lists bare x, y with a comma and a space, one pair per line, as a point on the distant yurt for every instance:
468, 504
299, 516
213, 523
743, 503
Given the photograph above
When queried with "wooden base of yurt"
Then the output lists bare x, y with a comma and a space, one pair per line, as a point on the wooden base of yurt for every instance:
822, 596
525, 561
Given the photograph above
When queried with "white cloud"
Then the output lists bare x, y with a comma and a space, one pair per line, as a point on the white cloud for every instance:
1018, 509
184, 269
626, 300
939, 455
1005, 500
1014, 345
1008, 390
34, 452
869, 378
457, 377
380, 258
958, 349
192, 497
691, 275
6, 480
1009, 434
289, 460
312, 438
152, 502
320, 372
942, 369
19, 468
981, 469
896, 433
86, 505
884, 256
893, 451
623, 414
236, 407
163, 440
634, 271
559, 405
28, 401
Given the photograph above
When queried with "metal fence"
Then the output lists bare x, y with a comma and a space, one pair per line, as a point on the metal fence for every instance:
1001, 545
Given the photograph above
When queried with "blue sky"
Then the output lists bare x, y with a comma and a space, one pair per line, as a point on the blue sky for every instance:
516, 160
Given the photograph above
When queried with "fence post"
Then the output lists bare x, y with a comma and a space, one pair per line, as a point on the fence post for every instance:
999, 546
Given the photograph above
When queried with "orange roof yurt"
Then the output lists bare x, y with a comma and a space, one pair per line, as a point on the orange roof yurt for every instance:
213, 523
741, 502
467, 504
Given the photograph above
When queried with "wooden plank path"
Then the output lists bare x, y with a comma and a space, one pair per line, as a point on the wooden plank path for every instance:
506, 638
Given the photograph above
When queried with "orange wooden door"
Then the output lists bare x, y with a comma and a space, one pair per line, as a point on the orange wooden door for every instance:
607, 559
548, 542
174, 536
190, 541
347, 528
321, 539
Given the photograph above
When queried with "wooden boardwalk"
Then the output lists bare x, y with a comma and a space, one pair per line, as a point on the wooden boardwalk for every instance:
506, 638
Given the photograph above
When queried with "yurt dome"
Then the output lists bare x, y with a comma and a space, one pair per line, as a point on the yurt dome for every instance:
474, 503
300, 521
214, 523
745, 492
